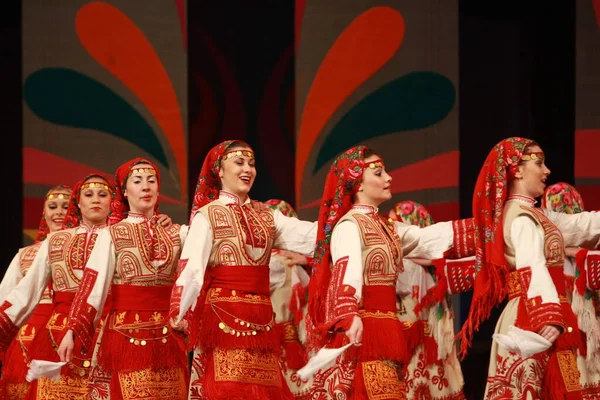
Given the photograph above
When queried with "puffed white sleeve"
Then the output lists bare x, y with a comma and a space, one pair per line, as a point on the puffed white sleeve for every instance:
192, 267
294, 234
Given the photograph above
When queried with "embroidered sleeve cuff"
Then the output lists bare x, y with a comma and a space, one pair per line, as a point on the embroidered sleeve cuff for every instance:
463, 242
8, 330
82, 326
346, 305
544, 314
175, 302
461, 275
590, 262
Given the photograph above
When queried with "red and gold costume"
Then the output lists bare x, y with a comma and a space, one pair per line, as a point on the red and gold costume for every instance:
17, 342
520, 251
366, 251
564, 198
138, 356
223, 289
289, 291
59, 263
433, 371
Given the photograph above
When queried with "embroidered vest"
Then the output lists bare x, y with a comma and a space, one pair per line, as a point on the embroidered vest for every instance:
144, 258
241, 235
554, 246
25, 260
68, 254
381, 249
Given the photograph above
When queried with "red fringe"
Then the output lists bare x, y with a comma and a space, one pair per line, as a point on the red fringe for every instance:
42, 347
431, 351
581, 281
297, 301
116, 353
227, 390
211, 336
554, 387
14, 369
436, 294
359, 391
489, 290
294, 352
384, 338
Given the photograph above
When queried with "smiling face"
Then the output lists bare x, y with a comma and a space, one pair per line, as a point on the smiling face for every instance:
141, 189
55, 208
238, 171
376, 183
94, 200
530, 179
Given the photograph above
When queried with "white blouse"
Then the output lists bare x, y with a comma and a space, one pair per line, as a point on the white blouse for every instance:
290, 234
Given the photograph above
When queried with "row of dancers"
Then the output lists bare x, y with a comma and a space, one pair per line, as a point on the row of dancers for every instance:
114, 295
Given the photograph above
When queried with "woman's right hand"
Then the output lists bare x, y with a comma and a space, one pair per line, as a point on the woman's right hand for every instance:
182, 326
549, 332
65, 350
355, 331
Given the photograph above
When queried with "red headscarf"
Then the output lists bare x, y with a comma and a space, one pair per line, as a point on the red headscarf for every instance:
283, 206
341, 185
491, 191
207, 188
73, 217
564, 198
119, 207
43, 229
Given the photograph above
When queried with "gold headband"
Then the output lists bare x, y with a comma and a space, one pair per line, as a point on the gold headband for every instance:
99, 185
60, 196
375, 164
533, 156
238, 153
149, 171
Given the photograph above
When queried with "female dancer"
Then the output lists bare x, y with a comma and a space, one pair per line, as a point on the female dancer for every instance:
520, 250
60, 263
288, 285
433, 371
224, 281
17, 357
562, 197
358, 295
136, 258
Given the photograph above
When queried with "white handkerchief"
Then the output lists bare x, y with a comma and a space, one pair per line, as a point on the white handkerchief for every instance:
524, 343
321, 359
42, 368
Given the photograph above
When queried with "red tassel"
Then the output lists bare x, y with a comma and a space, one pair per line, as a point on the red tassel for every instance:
414, 336
430, 351
383, 338
294, 353
211, 335
297, 302
14, 369
436, 294
554, 386
581, 282
488, 291
116, 353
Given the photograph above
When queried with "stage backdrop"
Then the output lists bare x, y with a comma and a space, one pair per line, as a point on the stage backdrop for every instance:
587, 134
384, 74
103, 82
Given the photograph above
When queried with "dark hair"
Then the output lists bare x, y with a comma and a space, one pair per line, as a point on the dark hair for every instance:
368, 152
